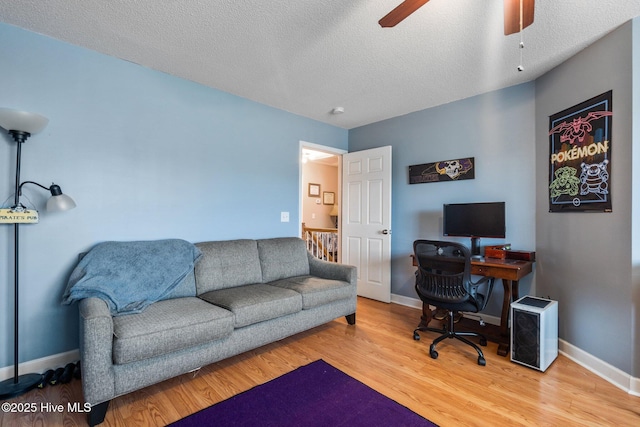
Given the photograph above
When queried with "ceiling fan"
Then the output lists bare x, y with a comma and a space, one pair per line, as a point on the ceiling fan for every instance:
514, 11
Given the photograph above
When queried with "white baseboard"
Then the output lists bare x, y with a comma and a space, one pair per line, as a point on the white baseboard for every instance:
409, 302
601, 368
39, 366
634, 386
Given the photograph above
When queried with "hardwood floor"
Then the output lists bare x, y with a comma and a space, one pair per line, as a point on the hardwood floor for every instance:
379, 351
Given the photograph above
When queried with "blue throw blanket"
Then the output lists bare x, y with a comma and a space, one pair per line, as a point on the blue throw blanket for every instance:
129, 276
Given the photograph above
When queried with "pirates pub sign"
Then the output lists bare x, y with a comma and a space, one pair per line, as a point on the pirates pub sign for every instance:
580, 157
445, 170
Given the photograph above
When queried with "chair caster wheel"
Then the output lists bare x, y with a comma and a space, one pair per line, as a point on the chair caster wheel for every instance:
483, 342
433, 353
416, 336
481, 361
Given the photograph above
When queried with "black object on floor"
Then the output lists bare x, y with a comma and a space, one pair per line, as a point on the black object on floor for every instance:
60, 375
56, 376
46, 377
67, 373
77, 374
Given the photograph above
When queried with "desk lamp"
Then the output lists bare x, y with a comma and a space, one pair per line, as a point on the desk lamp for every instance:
21, 125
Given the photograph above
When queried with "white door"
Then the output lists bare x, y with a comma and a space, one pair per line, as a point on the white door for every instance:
366, 219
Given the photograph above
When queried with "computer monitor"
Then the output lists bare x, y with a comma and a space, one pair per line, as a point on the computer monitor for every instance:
475, 220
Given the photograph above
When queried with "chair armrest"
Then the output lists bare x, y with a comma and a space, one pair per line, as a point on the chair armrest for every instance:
96, 349
331, 270
483, 280
485, 284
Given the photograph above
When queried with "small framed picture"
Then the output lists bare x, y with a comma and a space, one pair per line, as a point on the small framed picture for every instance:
329, 198
314, 190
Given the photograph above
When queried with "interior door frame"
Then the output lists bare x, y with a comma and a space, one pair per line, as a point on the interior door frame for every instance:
327, 149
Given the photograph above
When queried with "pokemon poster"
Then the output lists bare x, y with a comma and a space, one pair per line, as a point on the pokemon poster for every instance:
580, 157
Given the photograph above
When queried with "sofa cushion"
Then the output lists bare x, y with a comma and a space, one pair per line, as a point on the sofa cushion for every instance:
255, 303
282, 257
226, 264
167, 326
316, 291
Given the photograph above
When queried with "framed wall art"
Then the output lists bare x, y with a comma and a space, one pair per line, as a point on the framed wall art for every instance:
314, 190
444, 170
580, 156
328, 198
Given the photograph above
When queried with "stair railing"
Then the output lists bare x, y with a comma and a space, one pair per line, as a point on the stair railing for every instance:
321, 242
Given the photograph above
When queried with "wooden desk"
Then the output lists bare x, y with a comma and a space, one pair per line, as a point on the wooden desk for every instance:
510, 271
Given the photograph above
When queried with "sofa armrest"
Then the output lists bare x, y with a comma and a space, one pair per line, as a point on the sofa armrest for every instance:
331, 270
96, 347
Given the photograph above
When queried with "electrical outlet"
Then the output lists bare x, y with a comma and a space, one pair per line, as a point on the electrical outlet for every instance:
284, 216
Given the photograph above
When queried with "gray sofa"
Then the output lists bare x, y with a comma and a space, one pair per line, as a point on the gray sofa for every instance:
248, 293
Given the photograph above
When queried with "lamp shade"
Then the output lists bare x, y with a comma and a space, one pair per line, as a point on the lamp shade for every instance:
334, 210
59, 201
22, 121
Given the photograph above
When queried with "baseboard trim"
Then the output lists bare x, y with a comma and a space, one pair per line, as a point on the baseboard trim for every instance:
615, 376
599, 367
634, 386
41, 365
406, 301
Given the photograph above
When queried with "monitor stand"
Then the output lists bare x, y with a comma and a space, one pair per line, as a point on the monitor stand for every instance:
475, 248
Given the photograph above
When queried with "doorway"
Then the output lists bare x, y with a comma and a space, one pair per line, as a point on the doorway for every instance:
359, 185
320, 195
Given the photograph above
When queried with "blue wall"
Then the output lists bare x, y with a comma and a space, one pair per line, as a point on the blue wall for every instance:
498, 130
146, 156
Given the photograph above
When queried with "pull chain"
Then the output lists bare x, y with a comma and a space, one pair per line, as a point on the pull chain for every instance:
520, 67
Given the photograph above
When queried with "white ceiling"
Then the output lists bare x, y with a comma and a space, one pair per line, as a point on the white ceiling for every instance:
308, 57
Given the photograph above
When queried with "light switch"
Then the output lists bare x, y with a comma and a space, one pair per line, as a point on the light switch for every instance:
284, 216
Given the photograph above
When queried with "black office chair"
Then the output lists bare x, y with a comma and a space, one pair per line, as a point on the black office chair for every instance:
443, 279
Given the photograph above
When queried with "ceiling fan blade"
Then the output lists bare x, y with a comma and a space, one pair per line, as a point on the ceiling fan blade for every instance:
512, 15
401, 11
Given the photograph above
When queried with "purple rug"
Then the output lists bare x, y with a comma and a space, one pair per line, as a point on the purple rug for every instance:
313, 395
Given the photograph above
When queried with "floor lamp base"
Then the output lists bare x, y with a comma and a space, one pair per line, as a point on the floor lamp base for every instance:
9, 388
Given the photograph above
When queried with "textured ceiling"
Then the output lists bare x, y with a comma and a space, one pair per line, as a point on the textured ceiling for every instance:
308, 57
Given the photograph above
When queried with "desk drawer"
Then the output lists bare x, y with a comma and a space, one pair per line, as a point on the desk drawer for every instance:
498, 272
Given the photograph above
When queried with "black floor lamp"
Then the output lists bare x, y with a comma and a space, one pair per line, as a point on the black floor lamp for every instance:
20, 126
